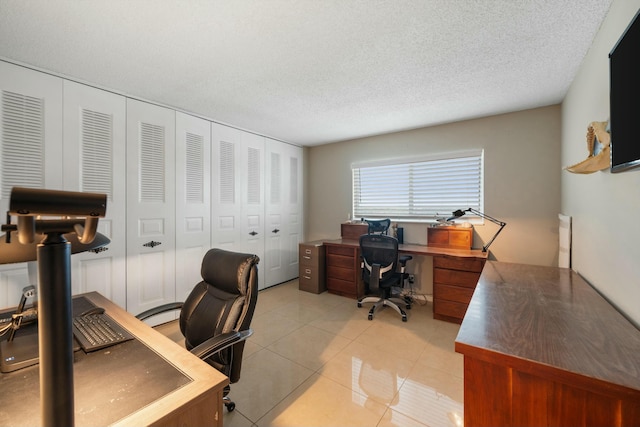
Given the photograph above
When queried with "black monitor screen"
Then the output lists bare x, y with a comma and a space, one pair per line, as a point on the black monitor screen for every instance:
624, 68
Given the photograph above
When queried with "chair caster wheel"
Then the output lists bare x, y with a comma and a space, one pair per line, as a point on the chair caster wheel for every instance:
230, 406
408, 307
404, 318
359, 304
370, 316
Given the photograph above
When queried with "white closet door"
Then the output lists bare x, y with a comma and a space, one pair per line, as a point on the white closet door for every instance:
94, 146
193, 200
253, 183
238, 192
30, 150
150, 207
283, 211
226, 215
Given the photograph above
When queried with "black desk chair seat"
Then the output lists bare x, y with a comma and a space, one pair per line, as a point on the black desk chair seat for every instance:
216, 316
379, 272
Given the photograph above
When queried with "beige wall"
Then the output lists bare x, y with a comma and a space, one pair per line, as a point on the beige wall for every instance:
604, 206
522, 182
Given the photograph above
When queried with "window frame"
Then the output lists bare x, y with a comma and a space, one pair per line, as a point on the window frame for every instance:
427, 167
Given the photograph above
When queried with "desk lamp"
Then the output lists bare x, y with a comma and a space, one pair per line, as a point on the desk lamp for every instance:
80, 213
458, 213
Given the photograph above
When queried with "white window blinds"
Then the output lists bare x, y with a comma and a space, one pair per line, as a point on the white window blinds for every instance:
418, 189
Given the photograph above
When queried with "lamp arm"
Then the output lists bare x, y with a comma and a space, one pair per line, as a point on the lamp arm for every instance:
485, 247
483, 215
492, 219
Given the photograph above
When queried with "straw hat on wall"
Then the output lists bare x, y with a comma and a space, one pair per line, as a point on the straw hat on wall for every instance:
598, 144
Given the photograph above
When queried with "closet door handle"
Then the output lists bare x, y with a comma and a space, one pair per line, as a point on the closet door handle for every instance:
275, 231
253, 233
152, 244
98, 250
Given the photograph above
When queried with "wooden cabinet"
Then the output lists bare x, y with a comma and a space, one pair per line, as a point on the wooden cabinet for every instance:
454, 280
311, 267
343, 269
542, 347
450, 237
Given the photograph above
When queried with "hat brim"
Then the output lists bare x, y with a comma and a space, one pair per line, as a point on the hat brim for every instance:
592, 164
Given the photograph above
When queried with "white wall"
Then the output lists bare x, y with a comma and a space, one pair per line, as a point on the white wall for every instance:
522, 182
604, 206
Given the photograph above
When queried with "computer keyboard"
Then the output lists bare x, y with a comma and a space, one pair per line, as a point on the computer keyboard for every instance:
97, 331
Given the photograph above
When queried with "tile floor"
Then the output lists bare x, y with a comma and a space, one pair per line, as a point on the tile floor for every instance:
315, 360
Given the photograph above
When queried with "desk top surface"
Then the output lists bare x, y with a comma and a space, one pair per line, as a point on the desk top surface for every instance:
525, 315
420, 249
131, 383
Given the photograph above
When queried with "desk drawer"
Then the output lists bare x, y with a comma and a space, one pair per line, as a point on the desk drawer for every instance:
347, 251
346, 288
311, 279
449, 310
452, 293
462, 264
340, 261
341, 273
454, 277
310, 254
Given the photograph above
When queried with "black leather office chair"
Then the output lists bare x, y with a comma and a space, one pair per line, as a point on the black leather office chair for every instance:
379, 272
216, 316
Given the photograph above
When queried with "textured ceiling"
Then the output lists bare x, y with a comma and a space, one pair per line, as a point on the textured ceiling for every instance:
313, 71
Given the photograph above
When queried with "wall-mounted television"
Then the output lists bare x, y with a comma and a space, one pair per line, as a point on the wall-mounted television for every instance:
624, 98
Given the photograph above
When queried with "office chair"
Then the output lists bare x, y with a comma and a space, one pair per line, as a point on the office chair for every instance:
216, 316
379, 272
378, 226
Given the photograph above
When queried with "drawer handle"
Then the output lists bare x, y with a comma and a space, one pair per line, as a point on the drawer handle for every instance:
307, 251
306, 257
307, 277
308, 271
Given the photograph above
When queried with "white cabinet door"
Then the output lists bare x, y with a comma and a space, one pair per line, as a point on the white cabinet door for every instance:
30, 150
283, 211
193, 200
94, 147
238, 192
150, 207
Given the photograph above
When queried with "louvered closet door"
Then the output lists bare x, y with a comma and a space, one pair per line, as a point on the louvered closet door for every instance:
226, 215
238, 192
150, 207
193, 200
94, 146
283, 211
30, 150
252, 182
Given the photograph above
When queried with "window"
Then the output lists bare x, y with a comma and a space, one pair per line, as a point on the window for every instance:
418, 189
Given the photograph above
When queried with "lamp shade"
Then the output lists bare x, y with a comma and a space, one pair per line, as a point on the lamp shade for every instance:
17, 252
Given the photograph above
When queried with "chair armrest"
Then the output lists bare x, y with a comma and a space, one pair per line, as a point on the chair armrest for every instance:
220, 342
402, 259
158, 310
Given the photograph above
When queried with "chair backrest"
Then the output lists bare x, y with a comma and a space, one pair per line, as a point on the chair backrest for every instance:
223, 301
381, 250
378, 226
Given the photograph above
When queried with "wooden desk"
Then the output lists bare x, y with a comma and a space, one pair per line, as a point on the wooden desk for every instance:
542, 347
455, 274
147, 381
